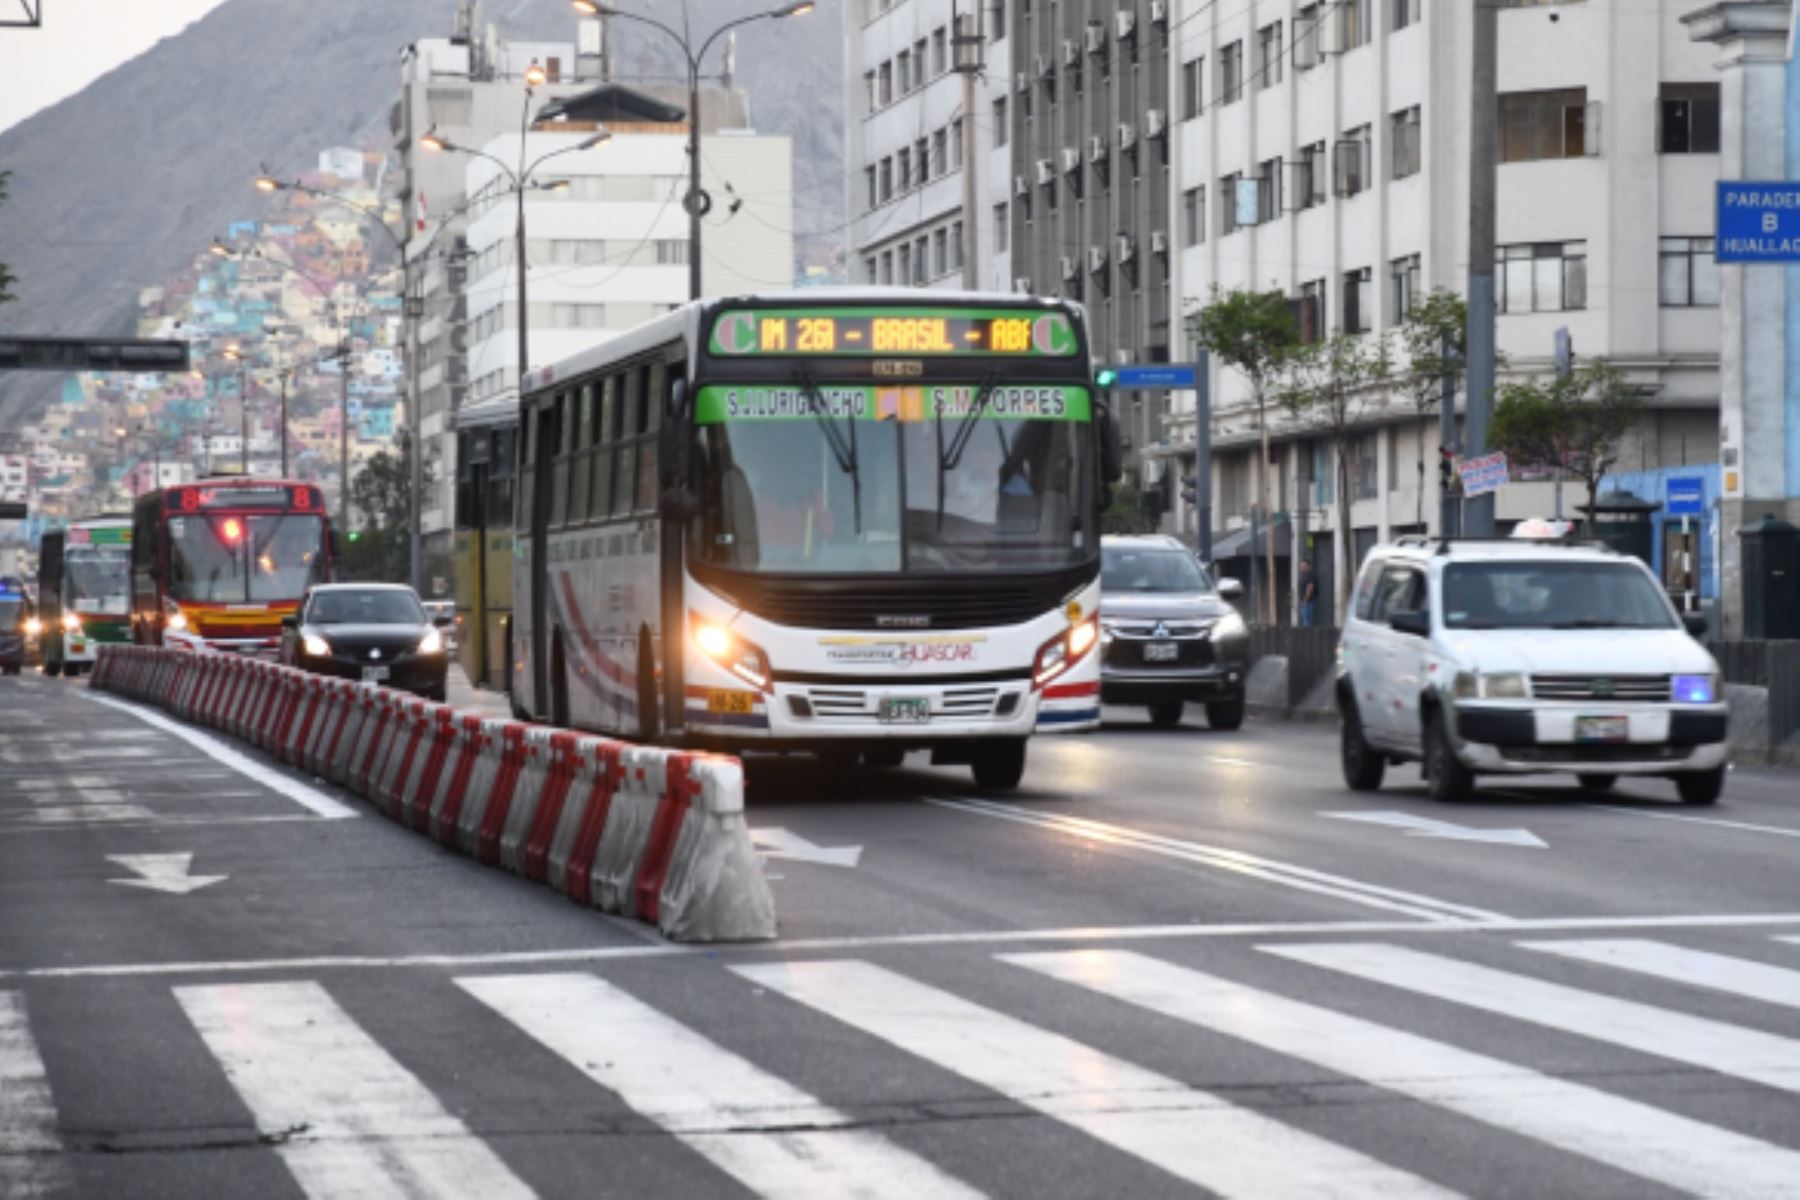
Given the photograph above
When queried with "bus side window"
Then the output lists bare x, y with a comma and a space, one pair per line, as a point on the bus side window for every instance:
582, 455
600, 499
465, 473
625, 452
565, 427
528, 446
649, 421
500, 478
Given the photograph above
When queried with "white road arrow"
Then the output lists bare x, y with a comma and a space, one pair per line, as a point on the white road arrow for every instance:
779, 843
162, 873
1427, 827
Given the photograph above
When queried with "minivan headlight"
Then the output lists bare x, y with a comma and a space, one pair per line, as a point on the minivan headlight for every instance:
1500, 685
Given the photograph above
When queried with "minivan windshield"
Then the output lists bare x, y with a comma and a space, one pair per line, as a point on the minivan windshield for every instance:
1553, 595
1134, 570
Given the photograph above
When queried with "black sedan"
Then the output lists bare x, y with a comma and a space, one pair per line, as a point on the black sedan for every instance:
371, 632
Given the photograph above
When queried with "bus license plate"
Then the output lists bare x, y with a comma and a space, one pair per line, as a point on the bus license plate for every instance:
724, 700
1602, 729
374, 674
1161, 652
905, 710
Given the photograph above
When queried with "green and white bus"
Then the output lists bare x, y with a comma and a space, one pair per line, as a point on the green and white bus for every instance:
84, 592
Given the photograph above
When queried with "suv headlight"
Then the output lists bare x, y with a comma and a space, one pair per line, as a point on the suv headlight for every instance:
432, 642
1231, 625
1694, 689
1500, 685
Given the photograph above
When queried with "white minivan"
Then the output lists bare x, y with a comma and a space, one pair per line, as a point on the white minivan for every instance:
1518, 657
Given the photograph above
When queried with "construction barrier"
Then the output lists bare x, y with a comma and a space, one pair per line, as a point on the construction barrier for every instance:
643, 832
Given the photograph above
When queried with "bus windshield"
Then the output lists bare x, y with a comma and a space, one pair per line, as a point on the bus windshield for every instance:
256, 559
99, 581
846, 480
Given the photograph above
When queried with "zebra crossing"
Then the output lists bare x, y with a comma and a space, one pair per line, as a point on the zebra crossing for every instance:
349, 1115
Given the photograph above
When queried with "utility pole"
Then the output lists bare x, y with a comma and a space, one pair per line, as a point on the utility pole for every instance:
1484, 114
243, 420
1565, 364
1203, 451
1449, 512
343, 357
412, 310
967, 48
283, 434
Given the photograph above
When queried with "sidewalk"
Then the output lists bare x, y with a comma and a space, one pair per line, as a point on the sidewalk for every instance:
482, 702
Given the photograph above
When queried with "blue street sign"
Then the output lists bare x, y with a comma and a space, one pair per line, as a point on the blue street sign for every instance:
1758, 222
1159, 375
1686, 497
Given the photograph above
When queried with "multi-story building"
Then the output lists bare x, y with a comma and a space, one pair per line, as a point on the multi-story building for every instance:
1322, 149
905, 143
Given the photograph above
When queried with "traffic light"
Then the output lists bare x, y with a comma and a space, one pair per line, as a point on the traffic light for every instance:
353, 535
1105, 377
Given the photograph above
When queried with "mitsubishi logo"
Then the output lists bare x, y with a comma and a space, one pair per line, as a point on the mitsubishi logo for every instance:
374, 654
1161, 631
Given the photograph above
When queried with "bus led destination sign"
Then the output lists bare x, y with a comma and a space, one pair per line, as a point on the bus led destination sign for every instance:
916, 332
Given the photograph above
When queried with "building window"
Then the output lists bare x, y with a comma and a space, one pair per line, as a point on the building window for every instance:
921, 260
1365, 467
938, 160
1540, 125
1268, 192
1231, 73
1314, 175
1306, 37
956, 245
1001, 131
903, 169
1403, 13
1352, 167
1687, 273
887, 84
940, 51
1228, 187
1543, 277
905, 264
1268, 55
887, 266
922, 155
1193, 216
1405, 277
871, 269
919, 64
903, 67
956, 144
1312, 311
1689, 119
1318, 463
874, 194
1359, 301
1403, 142
1002, 230
1193, 101
887, 180
996, 15
1359, 22
871, 97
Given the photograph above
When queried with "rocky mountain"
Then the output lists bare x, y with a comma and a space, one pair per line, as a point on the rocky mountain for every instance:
120, 184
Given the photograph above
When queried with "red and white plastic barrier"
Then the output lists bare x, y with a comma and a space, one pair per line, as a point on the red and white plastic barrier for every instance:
643, 832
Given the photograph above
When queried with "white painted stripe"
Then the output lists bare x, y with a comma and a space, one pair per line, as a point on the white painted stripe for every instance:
310, 798
1721, 973
769, 1135
346, 1118
1711, 1045
28, 1139
1191, 1134
1622, 1133
1745, 826
1286, 874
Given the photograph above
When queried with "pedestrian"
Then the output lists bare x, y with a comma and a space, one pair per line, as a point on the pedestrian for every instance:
1309, 594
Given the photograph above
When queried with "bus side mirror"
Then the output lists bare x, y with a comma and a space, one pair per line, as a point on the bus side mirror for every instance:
1112, 458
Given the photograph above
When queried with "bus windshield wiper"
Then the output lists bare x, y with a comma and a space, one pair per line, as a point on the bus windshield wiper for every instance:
949, 456
843, 448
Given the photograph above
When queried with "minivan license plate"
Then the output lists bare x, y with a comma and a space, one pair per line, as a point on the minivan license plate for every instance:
1161, 652
905, 710
1602, 729
374, 674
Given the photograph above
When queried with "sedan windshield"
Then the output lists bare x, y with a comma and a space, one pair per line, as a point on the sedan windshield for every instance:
1125, 570
1553, 595
245, 559
377, 606
9, 614
879, 480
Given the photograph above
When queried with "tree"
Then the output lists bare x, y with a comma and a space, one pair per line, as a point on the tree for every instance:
1332, 385
1575, 422
1432, 337
1127, 514
7, 278
1254, 333
380, 494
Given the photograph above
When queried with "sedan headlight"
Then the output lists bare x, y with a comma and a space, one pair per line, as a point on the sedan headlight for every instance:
1694, 689
316, 646
432, 642
1231, 625
1501, 685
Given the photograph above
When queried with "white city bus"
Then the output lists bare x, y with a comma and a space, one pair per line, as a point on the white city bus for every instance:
855, 523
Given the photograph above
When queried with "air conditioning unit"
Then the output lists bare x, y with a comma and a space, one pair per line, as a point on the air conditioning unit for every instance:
1070, 269
1071, 160
1021, 185
1046, 172
1096, 38
1096, 260
1159, 242
1097, 149
1022, 82
1155, 123
1127, 137
1125, 23
1022, 284
1127, 248
1040, 65
1071, 53
1159, 12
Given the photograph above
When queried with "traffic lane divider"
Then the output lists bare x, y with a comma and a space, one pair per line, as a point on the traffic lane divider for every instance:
638, 831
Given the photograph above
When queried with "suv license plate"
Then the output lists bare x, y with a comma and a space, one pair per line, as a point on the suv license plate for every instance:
905, 710
1161, 652
374, 674
1602, 729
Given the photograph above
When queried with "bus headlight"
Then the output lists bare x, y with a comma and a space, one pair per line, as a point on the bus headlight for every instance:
741, 658
316, 646
432, 642
178, 620
34, 627
71, 623
1063, 651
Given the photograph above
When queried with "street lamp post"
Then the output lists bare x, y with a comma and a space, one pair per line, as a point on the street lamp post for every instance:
696, 202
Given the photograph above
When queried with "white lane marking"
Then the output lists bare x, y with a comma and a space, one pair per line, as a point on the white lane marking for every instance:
163, 873
770, 1136
1700, 968
1193, 1135
27, 1115
774, 842
1698, 1041
68, 816
347, 1119
144, 819
1747, 827
1415, 825
325, 806
1622, 1133
1286, 874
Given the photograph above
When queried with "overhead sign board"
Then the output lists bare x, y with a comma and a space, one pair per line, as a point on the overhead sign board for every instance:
91, 354
1686, 497
1156, 375
1758, 222
1482, 475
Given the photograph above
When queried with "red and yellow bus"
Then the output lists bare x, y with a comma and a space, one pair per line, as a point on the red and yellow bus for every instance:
217, 564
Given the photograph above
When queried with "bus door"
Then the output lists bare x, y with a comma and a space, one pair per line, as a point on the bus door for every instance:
546, 439
673, 458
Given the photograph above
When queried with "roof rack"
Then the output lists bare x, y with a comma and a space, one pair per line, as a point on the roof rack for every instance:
1563, 543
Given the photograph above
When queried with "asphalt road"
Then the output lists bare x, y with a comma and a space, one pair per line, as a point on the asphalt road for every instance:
1177, 962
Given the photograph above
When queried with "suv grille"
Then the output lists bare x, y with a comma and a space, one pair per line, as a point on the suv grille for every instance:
1640, 689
